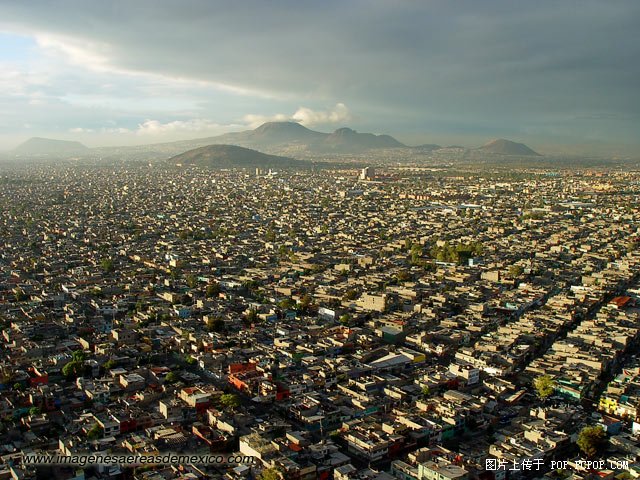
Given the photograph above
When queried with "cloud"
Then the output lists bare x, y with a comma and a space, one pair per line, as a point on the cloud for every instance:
196, 126
188, 128
148, 131
100, 57
103, 130
490, 68
254, 120
305, 116
161, 129
84, 53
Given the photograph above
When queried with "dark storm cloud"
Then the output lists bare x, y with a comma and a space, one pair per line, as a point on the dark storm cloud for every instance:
542, 65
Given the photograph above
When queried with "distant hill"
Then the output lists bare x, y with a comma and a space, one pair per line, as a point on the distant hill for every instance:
507, 147
279, 136
427, 147
48, 146
283, 132
286, 139
232, 156
348, 140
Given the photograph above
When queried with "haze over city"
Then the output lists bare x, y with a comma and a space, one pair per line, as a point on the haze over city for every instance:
561, 77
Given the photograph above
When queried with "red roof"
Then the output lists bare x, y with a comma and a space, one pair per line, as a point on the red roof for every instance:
295, 447
621, 301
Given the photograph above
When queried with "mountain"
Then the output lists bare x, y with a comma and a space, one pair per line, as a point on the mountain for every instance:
284, 132
427, 147
507, 147
232, 156
348, 140
288, 139
284, 136
48, 146
269, 135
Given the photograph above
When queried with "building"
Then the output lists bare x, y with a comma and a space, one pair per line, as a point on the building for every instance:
367, 173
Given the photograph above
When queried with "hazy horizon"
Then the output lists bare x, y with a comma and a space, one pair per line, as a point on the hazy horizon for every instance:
559, 77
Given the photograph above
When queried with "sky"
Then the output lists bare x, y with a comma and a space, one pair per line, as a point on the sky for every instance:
560, 76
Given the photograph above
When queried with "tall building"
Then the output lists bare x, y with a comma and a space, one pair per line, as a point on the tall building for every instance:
367, 173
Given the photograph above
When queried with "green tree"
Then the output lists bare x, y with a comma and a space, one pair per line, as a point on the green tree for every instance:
345, 319
350, 294
416, 253
305, 302
591, 440
429, 266
73, 369
515, 271
213, 289
317, 268
192, 281
544, 386
94, 432
459, 254
35, 411
632, 246
171, 377
270, 473
215, 324
426, 392
230, 401
252, 315
287, 303
476, 248
20, 295
250, 285
78, 356
190, 360
270, 235
109, 364
107, 265
403, 276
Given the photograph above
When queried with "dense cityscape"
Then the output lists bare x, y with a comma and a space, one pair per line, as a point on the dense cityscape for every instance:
337, 240
375, 324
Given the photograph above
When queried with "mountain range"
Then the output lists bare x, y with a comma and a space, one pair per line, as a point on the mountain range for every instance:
279, 135
289, 139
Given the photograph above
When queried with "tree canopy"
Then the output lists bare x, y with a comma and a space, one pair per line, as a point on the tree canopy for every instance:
215, 324
515, 271
230, 400
94, 432
544, 386
213, 289
591, 440
270, 473
107, 266
75, 367
459, 253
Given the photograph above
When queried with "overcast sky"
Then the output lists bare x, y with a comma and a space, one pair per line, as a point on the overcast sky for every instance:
557, 75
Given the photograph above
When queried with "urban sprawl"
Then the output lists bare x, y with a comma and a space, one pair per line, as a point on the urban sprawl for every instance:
376, 324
